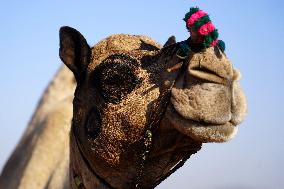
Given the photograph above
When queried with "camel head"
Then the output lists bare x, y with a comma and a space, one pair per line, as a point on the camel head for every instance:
140, 109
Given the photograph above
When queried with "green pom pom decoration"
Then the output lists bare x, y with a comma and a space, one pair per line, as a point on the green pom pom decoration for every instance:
184, 50
222, 46
201, 21
191, 12
210, 37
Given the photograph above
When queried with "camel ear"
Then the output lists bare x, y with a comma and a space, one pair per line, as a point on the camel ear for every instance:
170, 41
74, 51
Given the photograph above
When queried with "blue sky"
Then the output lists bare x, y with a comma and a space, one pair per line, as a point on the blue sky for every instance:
253, 32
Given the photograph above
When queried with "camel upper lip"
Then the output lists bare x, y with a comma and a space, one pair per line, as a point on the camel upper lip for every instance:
203, 68
206, 74
198, 122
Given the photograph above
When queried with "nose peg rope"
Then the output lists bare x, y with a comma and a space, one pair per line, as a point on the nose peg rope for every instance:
78, 182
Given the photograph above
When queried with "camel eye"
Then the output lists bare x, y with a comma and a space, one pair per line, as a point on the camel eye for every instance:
116, 78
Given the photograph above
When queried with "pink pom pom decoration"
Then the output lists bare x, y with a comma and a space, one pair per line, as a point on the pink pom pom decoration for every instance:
195, 17
198, 23
206, 28
214, 43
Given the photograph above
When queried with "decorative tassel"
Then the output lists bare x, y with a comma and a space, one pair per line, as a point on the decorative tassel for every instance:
191, 12
208, 39
201, 21
198, 20
222, 46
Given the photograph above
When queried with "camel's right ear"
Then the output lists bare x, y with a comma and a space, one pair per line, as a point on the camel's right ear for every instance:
74, 51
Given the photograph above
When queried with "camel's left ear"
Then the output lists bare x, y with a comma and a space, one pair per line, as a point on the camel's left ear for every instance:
170, 41
74, 51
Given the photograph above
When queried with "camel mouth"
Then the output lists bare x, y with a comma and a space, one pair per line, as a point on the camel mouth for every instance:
202, 102
203, 111
207, 74
200, 130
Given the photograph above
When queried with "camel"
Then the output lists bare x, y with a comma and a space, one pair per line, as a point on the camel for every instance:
128, 115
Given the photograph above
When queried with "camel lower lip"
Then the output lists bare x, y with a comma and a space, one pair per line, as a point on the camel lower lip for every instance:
199, 130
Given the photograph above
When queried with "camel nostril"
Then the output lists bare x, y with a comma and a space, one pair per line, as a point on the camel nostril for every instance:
93, 124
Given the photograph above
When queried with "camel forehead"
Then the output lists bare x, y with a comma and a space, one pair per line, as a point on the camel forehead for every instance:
120, 43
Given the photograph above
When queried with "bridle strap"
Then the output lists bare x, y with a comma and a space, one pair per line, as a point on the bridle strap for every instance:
152, 127
148, 136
